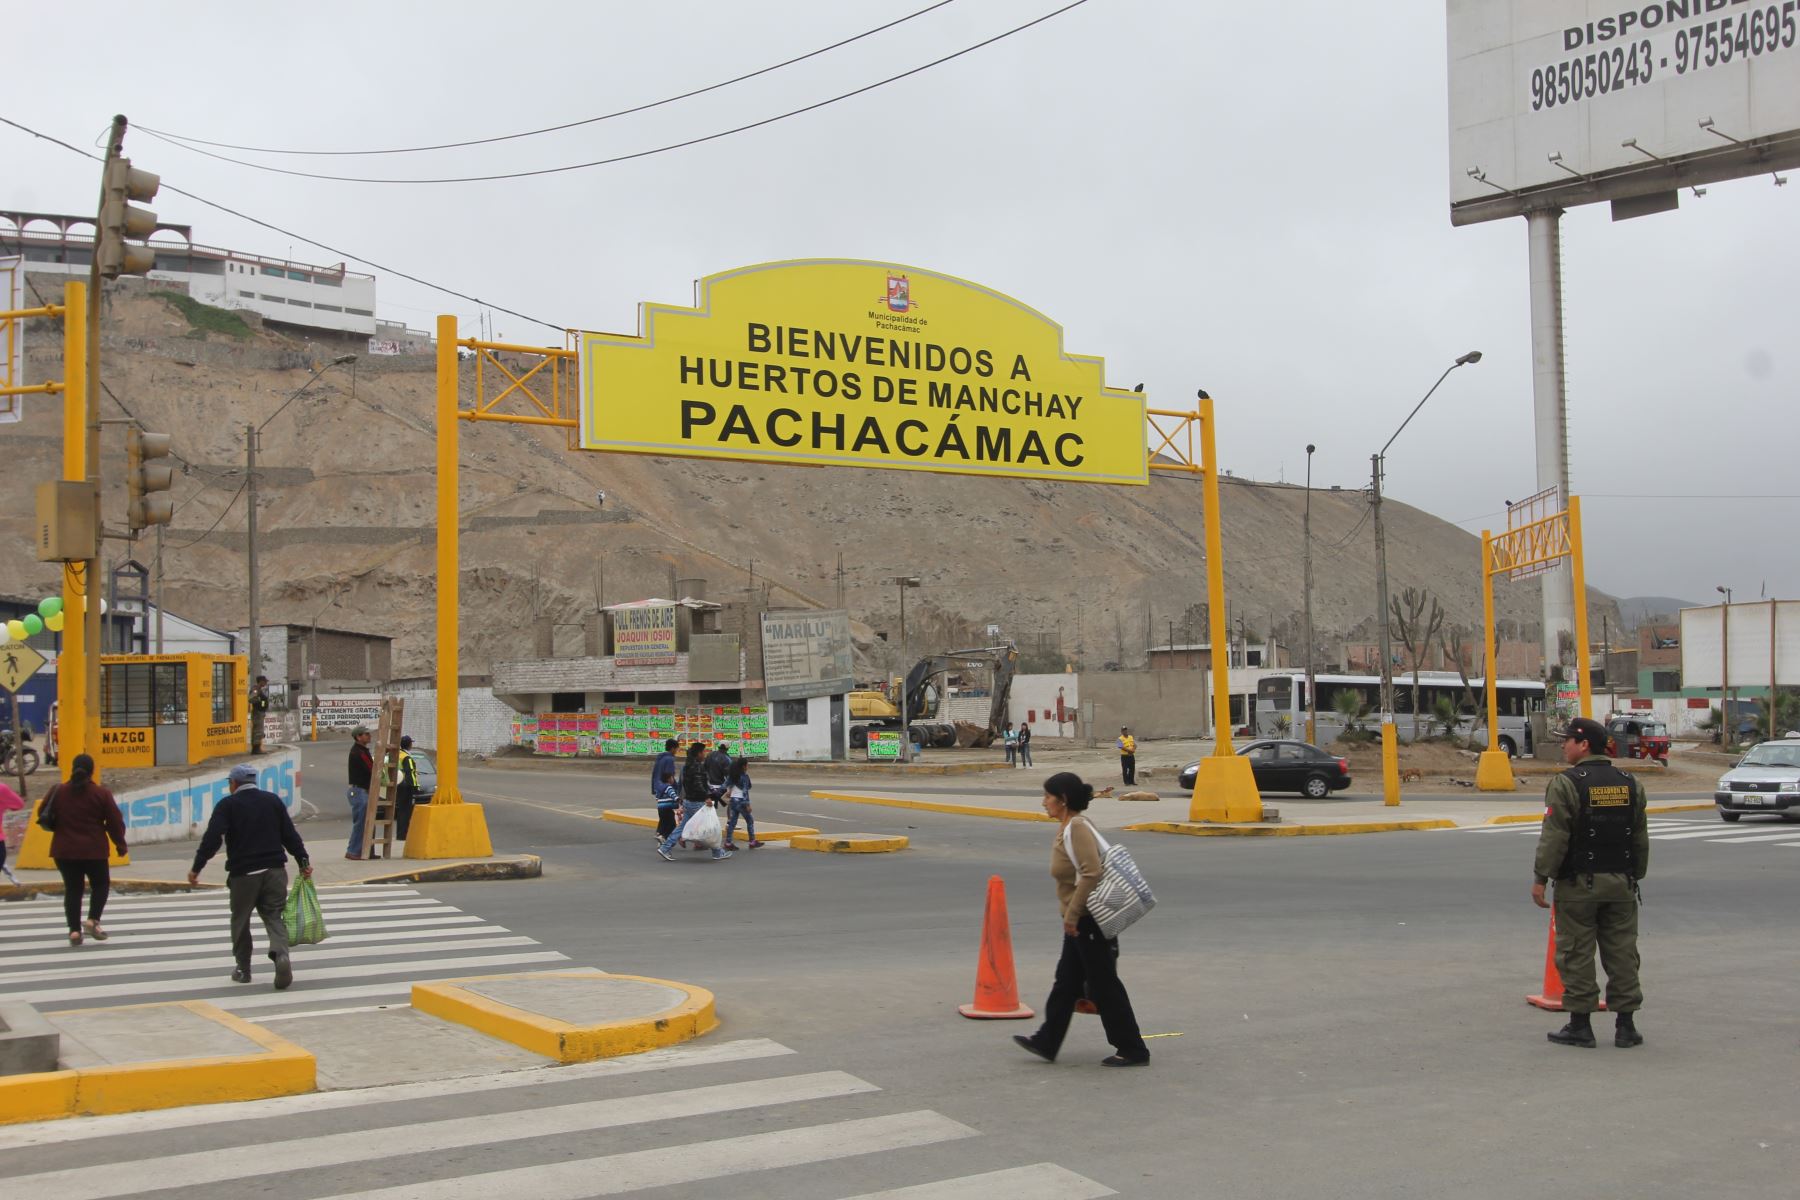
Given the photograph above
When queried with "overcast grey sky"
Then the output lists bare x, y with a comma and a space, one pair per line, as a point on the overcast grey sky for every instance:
1249, 198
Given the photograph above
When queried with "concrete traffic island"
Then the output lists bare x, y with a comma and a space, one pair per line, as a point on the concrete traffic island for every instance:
768, 831
149, 1056
573, 1016
849, 843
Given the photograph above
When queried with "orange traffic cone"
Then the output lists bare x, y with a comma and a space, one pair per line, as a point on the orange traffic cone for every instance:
996, 987
1551, 998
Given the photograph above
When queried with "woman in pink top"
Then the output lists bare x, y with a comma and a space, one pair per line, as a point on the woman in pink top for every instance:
9, 802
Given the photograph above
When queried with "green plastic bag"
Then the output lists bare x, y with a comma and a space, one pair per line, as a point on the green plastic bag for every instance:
305, 922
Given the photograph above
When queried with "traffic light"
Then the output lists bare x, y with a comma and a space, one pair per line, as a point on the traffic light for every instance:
144, 480
120, 219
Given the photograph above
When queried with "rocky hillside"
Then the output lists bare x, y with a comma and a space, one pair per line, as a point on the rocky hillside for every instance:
346, 487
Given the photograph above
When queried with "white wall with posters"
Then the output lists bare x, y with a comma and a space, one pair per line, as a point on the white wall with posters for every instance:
1038, 698
1576, 79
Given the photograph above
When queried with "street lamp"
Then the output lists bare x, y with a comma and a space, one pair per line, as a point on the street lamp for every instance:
1728, 737
904, 582
1312, 707
1390, 764
251, 432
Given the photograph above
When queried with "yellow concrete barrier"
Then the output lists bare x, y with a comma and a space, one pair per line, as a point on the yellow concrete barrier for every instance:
960, 810
849, 843
566, 1041
1196, 829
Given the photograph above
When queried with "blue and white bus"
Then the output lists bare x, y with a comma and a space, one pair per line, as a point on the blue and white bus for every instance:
1281, 706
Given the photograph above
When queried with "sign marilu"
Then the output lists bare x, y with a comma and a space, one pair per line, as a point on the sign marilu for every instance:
644, 637
830, 361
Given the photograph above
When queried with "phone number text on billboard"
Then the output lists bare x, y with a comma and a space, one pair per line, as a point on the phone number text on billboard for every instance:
1707, 44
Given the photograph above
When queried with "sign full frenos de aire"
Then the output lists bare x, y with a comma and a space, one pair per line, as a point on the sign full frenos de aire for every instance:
830, 361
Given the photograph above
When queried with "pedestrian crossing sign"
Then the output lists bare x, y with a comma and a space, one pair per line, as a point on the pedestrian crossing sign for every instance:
18, 663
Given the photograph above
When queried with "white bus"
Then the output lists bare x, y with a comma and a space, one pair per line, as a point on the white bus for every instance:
1281, 706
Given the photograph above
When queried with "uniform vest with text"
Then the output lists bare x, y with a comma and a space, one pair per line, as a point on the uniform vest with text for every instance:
1600, 843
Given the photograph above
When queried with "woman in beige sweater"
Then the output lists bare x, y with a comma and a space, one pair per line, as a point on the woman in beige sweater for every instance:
1089, 962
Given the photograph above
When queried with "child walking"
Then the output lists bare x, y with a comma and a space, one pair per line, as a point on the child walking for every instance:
738, 793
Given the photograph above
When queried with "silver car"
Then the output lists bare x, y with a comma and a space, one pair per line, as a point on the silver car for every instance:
1766, 779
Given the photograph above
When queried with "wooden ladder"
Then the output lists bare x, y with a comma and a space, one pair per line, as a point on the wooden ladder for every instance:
384, 780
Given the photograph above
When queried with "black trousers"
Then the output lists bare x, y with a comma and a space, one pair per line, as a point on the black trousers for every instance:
264, 896
665, 819
92, 873
1089, 966
1128, 767
404, 796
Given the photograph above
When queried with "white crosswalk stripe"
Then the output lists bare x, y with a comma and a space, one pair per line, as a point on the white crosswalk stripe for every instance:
617, 1127
179, 948
1699, 829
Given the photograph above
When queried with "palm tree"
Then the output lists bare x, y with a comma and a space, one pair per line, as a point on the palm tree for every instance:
1349, 705
1444, 712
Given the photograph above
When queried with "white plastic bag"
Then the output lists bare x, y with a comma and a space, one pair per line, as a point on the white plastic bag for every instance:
702, 830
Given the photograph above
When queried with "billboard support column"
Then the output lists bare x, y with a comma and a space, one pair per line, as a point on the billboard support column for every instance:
1225, 788
447, 828
1550, 405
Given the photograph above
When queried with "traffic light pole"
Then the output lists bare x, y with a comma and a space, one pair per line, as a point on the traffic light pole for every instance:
90, 568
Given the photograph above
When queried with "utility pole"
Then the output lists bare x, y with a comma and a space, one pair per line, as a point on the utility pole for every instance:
250, 546
904, 582
1312, 700
159, 589
1381, 593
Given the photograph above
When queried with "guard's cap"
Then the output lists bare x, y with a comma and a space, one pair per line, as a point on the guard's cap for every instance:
243, 773
406, 742
1587, 729
359, 731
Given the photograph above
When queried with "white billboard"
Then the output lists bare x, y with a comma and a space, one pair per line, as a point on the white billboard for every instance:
1752, 625
806, 653
1562, 102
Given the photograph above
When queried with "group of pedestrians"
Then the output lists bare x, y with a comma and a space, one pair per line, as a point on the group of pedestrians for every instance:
1018, 743
715, 780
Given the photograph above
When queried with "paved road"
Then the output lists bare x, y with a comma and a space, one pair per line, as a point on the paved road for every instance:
1342, 1017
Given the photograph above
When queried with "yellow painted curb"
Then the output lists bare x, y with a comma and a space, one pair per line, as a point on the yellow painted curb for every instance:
849, 843
960, 810
280, 1069
560, 1040
1195, 829
1533, 818
766, 835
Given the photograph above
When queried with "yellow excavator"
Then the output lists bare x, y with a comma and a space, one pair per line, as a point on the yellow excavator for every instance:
875, 710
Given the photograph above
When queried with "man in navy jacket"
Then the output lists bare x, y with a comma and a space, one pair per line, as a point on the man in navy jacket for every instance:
258, 835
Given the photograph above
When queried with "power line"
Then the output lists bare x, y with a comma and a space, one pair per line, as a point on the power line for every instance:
300, 237
222, 512
619, 158
507, 137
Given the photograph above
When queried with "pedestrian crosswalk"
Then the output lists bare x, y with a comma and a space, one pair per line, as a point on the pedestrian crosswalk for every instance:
737, 1118
1707, 829
178, 947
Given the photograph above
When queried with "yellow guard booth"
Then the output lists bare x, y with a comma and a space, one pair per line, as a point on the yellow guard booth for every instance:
171, 709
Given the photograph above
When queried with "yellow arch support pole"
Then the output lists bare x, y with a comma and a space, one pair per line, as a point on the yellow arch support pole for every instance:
1583, 676
1225, 788
1493, 773
447, 828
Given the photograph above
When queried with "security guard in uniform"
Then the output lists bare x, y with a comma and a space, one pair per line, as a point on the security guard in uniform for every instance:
1596, 845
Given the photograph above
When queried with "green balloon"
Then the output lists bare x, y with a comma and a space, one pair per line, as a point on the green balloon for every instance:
49, 606
33, 625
